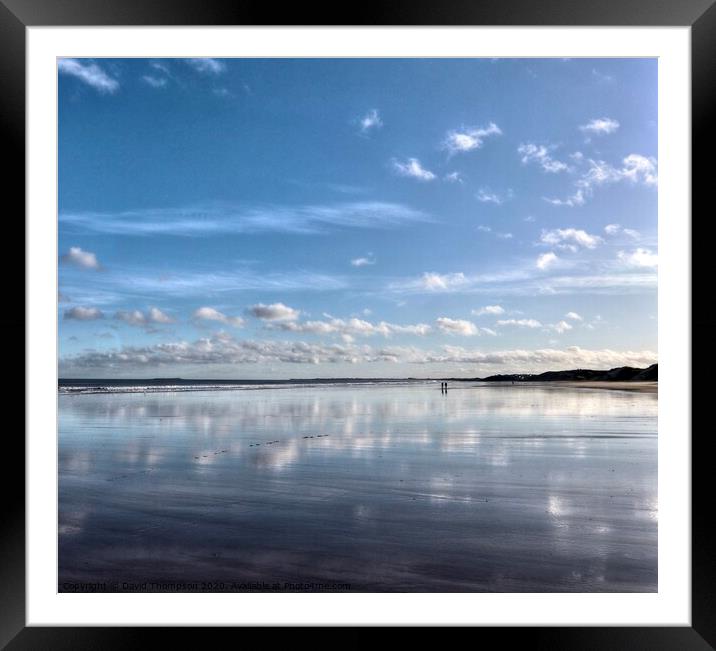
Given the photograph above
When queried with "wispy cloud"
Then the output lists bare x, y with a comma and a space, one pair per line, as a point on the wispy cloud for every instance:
545, 276
469, 138
154, 82
412, 168
540, 154
454, 177
200, 284
371, 121
635, 169
575, 199
521, 323
602, 77
485, 195
160, 74
217, 218
207, 66
573, 316
90, 73
618, 229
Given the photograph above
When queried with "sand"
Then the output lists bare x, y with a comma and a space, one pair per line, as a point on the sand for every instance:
639, 387
360, 489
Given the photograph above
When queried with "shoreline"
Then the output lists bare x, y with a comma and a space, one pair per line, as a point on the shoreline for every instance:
635, 386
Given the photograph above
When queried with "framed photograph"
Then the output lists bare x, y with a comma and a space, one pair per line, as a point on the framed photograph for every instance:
338, 325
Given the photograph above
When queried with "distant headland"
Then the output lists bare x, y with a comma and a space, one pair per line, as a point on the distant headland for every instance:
620, 374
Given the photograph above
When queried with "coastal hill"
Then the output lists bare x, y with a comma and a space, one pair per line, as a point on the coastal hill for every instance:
620, 374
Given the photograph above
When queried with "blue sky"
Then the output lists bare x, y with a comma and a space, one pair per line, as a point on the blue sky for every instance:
276, 218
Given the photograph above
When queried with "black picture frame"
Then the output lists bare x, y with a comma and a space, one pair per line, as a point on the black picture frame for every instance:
700, 15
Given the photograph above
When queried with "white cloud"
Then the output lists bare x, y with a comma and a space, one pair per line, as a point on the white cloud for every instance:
412, 169
522, 323
133, 317
540, 154
522, 280
197, 285
561, 327
457, 326
602, 77
635, 169
576, 199
570, 238
469, 138
211, 314
642, 258
546, 260
90, 73
640, 168
353, 327
618, 229
222, 349
79, 313
501, 236
454, 177
207, 66
485, 195
436, 282
155, 315
274, 312
494, 310
574, 316
363, 262
204, 220
600, 126
154, 82
79, 258
371, 120
137, 318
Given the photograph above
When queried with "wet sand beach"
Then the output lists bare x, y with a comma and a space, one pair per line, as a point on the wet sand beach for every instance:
640, 387
375, 488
